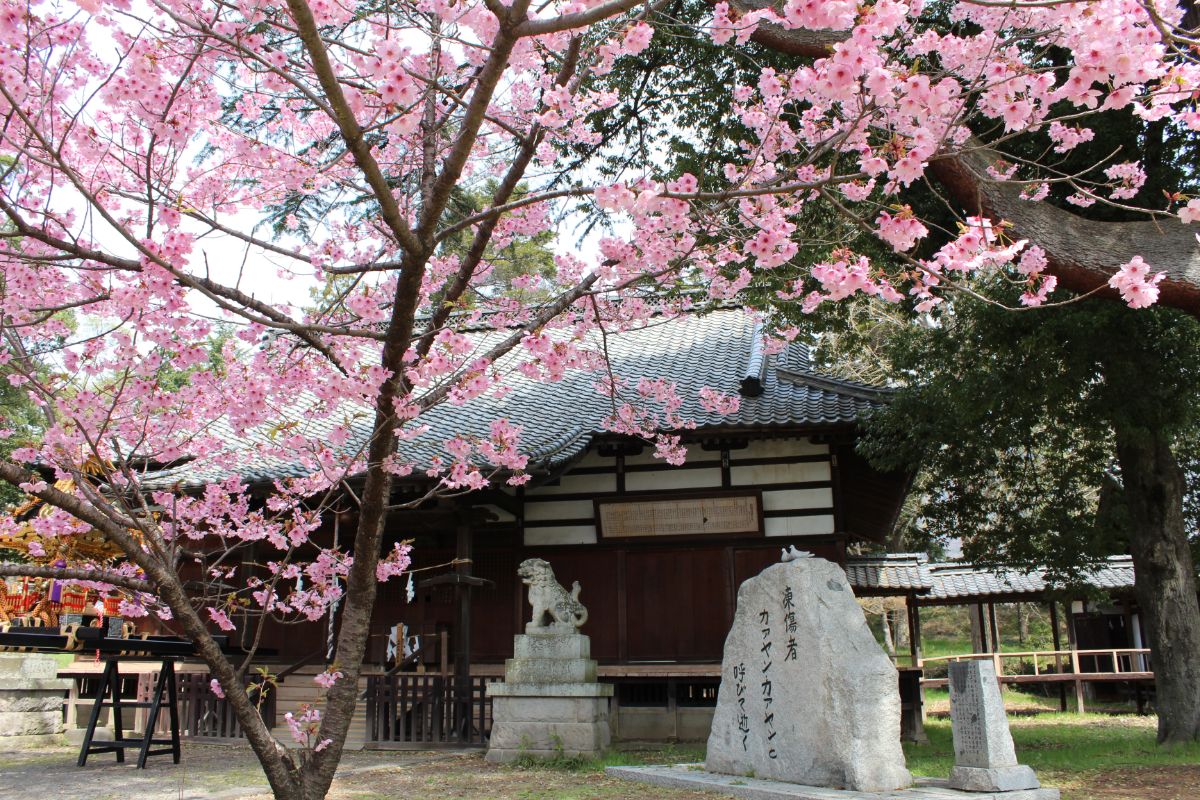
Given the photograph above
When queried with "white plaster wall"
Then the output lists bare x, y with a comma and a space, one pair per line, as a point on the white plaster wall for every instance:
565, 509
797, 498
574, 484
780, 473
798, 526
572, 534
668, 479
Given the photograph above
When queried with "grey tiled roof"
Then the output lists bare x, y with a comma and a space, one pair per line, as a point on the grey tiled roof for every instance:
900, 573
559, 420
953, 581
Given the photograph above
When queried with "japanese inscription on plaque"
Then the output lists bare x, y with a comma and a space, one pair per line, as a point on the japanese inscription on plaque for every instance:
768, 686
970, 735
807, 695
680, 516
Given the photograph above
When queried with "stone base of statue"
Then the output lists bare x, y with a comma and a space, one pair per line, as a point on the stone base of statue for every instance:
549, 704
31, 701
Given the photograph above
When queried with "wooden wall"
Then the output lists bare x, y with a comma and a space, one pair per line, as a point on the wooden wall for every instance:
660, 598
794, 475
662, 603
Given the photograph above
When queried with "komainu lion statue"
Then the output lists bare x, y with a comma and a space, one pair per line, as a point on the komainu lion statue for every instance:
553, 606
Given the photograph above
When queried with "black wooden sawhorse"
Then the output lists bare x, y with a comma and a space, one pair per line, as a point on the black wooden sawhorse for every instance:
110, 683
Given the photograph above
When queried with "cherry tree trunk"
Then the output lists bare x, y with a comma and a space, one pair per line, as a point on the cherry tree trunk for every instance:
1165, 584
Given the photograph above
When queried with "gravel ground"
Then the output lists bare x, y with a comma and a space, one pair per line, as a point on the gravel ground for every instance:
215, 772
208, 772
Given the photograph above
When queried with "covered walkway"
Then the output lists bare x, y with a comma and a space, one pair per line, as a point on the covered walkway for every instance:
1105, 644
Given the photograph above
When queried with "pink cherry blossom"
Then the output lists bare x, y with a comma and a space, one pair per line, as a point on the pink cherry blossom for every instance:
1191, 212
1137, 286
327, 678
220, 618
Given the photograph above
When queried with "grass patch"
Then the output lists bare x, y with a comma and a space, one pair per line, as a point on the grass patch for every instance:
1062, 745
669, 754
1027, 700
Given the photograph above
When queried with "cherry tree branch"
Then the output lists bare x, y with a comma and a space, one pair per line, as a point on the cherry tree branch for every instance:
1081, 253
351, 131
75, 574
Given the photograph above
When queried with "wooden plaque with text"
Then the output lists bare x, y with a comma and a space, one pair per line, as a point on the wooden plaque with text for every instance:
729, 514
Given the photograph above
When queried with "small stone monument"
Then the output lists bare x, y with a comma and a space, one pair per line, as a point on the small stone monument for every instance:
807, 695
984, 757
31, 700
549, 703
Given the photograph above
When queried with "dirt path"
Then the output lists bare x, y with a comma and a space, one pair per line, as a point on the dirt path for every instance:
1138, 783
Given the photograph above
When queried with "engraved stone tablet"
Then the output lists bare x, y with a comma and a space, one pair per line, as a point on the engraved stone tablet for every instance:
984, 757
807, 694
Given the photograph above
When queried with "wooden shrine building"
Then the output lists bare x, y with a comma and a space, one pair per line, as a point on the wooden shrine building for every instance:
659, 550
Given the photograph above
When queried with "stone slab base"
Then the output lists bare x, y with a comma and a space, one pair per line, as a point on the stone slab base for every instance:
993, 779
30, 723
693, 776
510, 740
33, 741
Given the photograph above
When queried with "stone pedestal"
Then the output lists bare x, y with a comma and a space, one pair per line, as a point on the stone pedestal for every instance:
549, 703
807, 695
984, 757
31, 700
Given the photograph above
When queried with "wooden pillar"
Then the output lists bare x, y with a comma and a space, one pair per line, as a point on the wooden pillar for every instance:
994, 626
914, 643
1056, 637
1072, 643
622, 610
914, 629
984, 639
462, 638
979, 628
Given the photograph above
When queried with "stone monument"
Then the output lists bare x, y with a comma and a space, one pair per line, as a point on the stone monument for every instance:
549, 703
984, 757
31, 700
807, 695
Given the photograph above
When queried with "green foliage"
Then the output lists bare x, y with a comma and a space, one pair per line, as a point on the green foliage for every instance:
172, 378
18, 413
525, 255
1011, 418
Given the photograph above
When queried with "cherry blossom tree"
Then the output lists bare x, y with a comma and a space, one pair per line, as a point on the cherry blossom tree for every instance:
328, 139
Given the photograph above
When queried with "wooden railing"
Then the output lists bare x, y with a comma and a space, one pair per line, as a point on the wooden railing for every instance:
1129, 664
202, 715
1114, 661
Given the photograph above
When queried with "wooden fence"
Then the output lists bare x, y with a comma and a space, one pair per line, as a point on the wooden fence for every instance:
421, 710
204, 716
